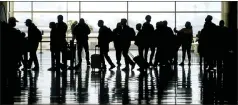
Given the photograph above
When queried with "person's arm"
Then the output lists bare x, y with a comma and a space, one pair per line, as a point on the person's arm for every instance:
65, 28
133, 33
88, 30
74, 33
175, 30
191, 33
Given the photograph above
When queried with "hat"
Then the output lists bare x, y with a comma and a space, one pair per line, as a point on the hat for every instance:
12, 19
28, 21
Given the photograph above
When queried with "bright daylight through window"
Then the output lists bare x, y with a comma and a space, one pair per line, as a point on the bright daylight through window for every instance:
111, 12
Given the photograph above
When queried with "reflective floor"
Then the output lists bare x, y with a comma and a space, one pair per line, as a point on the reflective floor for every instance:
167, 85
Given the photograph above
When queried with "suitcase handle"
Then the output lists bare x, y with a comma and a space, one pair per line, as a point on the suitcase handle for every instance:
96, 49
131, 54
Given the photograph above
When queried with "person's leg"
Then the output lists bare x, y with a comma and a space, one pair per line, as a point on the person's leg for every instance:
189, 53
125, 54
57, 58
140, 51
109, 60
25, 58
146, 53
35, 58
30, 58
183, 54
127, 58
80, 47
156, 57
64, 57
102, 58
201, 60
152, 54
87, 52
52, 60
118, 52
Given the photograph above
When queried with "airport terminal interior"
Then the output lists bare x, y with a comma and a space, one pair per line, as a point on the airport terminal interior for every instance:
174, 84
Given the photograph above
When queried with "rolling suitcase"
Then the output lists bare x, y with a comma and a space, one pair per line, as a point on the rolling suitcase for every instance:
95, 60
140, 61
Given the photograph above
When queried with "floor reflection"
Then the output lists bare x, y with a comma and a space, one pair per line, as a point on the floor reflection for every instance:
163, 85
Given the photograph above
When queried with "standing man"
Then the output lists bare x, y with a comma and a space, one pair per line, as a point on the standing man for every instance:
148, 32
117, 42
34, 37
208, 34
81, 33
10, 55
61, 28
170, 43
127, 34
104, 38
53, 44
221, 42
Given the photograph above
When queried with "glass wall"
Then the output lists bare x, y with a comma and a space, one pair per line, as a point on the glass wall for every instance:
176, 13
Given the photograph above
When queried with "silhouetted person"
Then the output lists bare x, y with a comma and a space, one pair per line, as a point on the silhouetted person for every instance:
117, 42
221, 43
199, 47
53, 44
11, 55
206, 41
75, 23
170, 43
139, 39
81, 33
148, 33
72, 45
34, 37
159, 34
24, 50
104, 38
127, 34
186, 37
61, 28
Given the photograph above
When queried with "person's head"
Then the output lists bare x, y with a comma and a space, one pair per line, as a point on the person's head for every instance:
28, 22
12, 21
100, 23
208, 18
165, 23
222, 23
52, 25
60, 18
199, 32
123, 22
159, 24
75, 22
188, 25
138, 26
119, 25
81, 21
23, 34
148, 18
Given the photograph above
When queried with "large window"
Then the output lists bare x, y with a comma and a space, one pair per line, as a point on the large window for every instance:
176, 13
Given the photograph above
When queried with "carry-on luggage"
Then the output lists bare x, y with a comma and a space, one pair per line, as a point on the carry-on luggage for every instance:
95, 60
140, 61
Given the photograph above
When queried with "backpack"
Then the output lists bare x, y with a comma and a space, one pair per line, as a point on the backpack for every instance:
110, 35
39, 34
